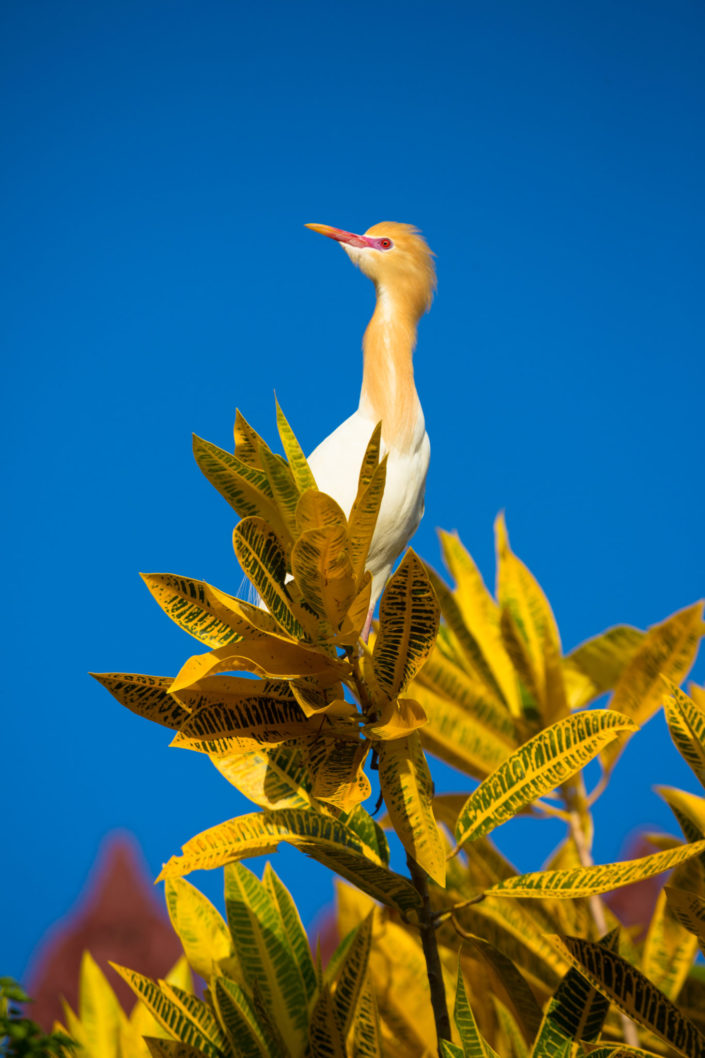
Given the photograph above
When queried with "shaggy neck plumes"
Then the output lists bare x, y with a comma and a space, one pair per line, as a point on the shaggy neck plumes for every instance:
388, 391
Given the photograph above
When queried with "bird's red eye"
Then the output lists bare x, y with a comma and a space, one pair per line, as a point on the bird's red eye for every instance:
385, 243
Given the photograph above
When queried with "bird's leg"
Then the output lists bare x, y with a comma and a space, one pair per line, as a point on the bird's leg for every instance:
365, 634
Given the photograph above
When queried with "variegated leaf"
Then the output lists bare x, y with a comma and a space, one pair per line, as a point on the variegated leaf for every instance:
292, 926
199, 1012
196, 608
408, 792
365, 508
247, 441
577, 1011
600, 878
633, 994
367, 1035
263, 559
274, 778
301, 471
237, 1015
337, 768
408, 624
594, 667
159, 1048
669, 949
689, 909
474, 1046
686, 722
166, 1011
147, 696
200, 928
536, 768
317, 510
264, 952
351, 976
448, 1049
325, 1036
284, 491
316, 834
323, 571
524, 1008
688, 809
668, 649
243, 485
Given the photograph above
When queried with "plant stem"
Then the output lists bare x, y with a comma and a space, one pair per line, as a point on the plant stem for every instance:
578, 805
427, 928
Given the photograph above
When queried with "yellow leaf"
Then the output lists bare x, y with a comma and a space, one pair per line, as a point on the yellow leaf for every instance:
147, 696
594, 667
301, 471
668, 649
688, 809
243, 485
264, 656
365, 508
520, 595
600, 878
318, 510
263, 559
669, 949
686, 722
408, 791
481, 615
536, 768
399, 718
101, 1015
322, 569
689, 909
408, 624
201, 930
337, 768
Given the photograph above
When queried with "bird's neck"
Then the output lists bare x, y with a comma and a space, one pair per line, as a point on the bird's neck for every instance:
388, 391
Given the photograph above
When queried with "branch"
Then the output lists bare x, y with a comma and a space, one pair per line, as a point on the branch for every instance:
427, 928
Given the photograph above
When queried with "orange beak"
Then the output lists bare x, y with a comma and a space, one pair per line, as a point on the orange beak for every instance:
341, 236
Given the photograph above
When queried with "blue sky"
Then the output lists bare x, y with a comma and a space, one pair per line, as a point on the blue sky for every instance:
161, 161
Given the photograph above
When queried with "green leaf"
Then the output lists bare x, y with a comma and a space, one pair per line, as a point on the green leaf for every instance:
408, 794
600, 878
168, 1013
536, 768
172, 1048
264, 952
237, 1016
147, 696
293, 929
633, 994
408, 625
474, 1045
451, 1050
301, 471
351, 976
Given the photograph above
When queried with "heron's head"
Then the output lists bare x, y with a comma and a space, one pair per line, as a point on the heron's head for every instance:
394, 256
